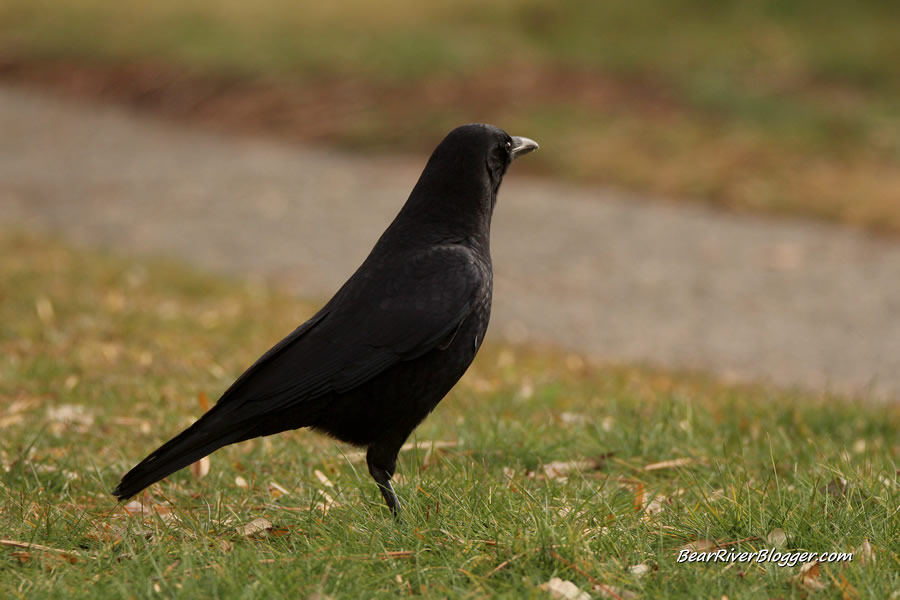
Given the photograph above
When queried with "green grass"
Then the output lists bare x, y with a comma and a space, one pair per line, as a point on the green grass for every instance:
130, 346
770, 106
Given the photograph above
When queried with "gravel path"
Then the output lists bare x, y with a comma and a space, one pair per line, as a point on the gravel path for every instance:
603, 273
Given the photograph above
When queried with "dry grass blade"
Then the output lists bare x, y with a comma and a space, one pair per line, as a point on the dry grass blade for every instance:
672, 464
562, 469
271, 506
752, 538
437, 444
509, 561
67, 554
698, 546
323, 478
276, 490
397, 554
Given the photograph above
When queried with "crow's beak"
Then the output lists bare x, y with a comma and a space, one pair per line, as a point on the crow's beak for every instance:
522, 145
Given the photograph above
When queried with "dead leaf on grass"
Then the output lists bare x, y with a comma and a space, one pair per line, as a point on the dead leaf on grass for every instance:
69, 414
865, 553
614, 593
564, 590
200, 469
808, 577
19, 406
10, 420
777, 538
143, 425
136, 507
570, 418
837, 487
44, 309
638, 497
654, 507
258, 527
639, 570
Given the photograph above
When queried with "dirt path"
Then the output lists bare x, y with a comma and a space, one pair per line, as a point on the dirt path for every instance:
618, 278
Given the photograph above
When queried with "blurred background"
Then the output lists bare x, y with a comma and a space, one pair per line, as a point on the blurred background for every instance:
695, 334
773, 106
718, 185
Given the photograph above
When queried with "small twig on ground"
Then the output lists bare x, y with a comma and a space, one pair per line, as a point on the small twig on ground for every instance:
69, 554
508, 561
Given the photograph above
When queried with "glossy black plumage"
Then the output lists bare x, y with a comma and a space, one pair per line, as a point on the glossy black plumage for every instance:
381, 354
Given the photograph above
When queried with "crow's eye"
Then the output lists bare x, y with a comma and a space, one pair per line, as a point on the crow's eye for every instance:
508, 146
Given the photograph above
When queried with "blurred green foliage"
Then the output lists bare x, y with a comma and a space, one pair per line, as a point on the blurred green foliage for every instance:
699, 43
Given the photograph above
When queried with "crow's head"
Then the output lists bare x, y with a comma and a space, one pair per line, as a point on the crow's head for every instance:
460, 182
479, 144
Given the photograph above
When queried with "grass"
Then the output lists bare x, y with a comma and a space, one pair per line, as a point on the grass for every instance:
551, 467
776, 107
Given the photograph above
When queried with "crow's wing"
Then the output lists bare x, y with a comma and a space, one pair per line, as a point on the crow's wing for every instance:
383, 315
387, 312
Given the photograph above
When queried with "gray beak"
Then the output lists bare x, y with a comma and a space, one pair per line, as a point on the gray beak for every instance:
522, 145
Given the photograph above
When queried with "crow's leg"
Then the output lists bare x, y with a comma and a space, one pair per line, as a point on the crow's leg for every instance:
382, 461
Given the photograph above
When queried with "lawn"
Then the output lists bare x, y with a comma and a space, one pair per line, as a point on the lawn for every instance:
775, 107
535, 467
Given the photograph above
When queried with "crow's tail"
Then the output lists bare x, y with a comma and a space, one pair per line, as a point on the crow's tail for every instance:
192, 444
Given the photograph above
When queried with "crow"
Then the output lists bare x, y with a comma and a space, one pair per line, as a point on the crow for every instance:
396, 337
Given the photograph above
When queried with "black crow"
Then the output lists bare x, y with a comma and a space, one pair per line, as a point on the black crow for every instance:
381, 354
